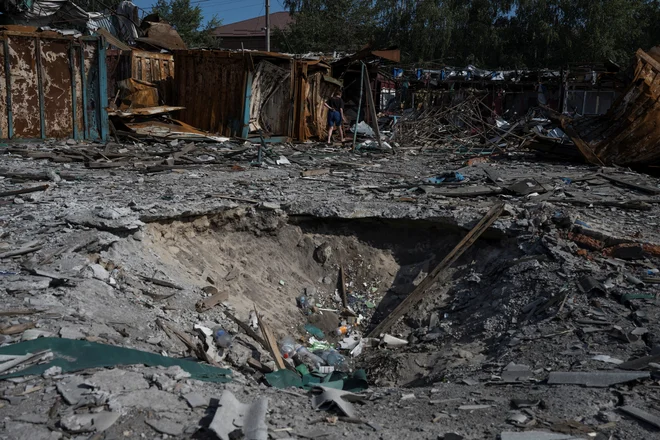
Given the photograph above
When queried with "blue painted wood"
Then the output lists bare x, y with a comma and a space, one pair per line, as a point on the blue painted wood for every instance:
246, 109
10, 116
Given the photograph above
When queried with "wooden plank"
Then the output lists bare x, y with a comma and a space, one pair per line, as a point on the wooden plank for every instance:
270, 342
342, 287
642, 188
441, 269
319, 172
372, 109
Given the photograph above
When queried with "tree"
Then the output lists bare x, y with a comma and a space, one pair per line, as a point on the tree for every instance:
187, 20
327, 25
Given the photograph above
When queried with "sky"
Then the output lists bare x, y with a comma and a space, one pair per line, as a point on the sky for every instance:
229, 11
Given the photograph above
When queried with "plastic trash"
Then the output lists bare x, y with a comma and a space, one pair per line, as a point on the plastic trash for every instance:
334, 359
449, 177
288, 347
314, 331
222, 338
306, 357
343, 330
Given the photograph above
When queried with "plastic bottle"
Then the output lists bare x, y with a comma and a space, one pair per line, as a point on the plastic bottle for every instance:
333, 358
343, 330
306, 357
288, 347
222, 338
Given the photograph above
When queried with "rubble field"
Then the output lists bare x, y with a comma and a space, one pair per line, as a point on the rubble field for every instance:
545, 327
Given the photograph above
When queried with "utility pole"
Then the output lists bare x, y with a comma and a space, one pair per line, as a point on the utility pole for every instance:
267, 25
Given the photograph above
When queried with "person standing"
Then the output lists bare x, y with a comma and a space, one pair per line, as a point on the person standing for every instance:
335, 115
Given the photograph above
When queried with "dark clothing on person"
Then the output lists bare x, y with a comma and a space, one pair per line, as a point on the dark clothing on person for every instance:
336, 104
334, 118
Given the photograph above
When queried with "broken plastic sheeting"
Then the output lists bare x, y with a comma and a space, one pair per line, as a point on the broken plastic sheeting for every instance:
326, 398
450, 177
355, 382
364, 129
75, 355
247, 418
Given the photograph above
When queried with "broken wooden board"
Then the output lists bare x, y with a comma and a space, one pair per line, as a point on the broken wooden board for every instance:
318, 172
212, 301
271, 343
441, 269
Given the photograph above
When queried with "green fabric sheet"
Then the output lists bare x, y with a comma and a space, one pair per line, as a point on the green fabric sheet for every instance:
75, 355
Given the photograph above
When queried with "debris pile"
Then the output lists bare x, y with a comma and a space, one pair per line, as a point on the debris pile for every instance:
465, 126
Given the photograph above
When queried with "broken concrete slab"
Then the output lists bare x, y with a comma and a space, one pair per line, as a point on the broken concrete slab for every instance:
117, 381
152, 399
196, 400
72, 389
640, 414
515, 373
595, 378
97, 422
27, 431
248, 419
166, 426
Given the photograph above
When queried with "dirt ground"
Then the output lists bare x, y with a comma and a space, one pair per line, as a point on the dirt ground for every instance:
564, 281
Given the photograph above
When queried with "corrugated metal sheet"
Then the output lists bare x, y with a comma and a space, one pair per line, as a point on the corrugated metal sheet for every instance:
211, 85
153, 67
629, 134
47, 92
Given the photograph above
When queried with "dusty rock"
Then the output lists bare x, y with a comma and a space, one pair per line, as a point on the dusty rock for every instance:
99, 272
323, 253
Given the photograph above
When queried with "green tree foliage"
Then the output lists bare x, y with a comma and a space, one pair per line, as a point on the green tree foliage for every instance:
489, 33
187, 20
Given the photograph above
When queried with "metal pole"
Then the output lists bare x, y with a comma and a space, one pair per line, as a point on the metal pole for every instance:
357, 120
267, 25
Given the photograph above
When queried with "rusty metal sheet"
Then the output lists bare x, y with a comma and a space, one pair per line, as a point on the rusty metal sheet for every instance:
42, 87
211, 87
629, 134
58, 99
24, 87
4, 127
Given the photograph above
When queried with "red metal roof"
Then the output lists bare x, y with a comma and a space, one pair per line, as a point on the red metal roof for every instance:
253, 26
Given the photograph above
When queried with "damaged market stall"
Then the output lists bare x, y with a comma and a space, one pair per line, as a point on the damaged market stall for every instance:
54, 85
628, 134
251, 92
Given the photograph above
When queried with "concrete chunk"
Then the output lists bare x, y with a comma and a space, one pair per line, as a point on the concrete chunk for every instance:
233, 415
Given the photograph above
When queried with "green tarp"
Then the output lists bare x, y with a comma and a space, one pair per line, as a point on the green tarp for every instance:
354, 383
75, 355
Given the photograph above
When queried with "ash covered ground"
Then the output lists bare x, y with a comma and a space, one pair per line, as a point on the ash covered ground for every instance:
564, 281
